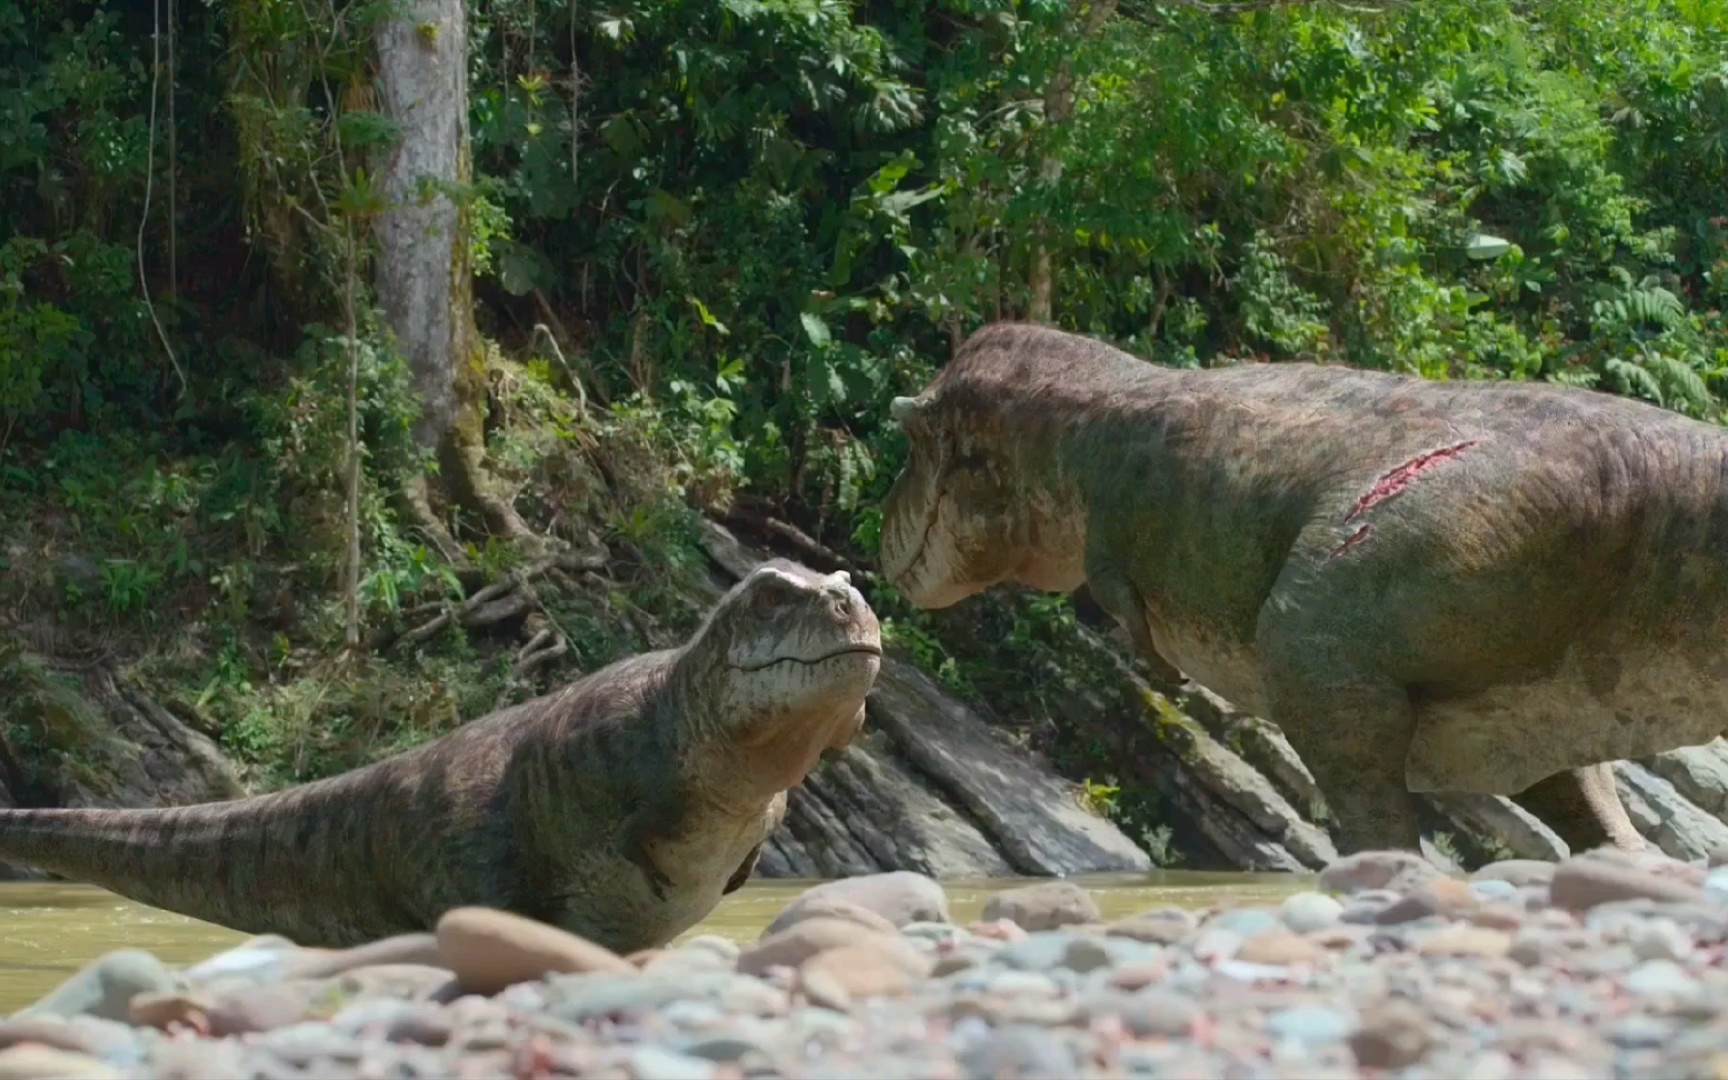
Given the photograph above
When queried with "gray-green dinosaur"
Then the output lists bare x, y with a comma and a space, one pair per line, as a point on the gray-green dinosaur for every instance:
1472, 587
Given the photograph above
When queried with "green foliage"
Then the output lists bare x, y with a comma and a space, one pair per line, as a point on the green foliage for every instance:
748, 225
51, 731
1099, 798
823, 194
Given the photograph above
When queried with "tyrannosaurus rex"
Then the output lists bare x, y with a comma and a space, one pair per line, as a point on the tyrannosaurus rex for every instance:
1475, 587
621, 807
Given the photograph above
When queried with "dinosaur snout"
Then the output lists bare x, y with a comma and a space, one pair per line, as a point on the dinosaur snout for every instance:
849, 606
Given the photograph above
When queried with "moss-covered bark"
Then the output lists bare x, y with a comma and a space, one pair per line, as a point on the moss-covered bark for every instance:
424, 275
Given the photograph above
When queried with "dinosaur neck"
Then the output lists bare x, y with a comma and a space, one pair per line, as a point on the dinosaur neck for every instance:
699, 722
1134, 435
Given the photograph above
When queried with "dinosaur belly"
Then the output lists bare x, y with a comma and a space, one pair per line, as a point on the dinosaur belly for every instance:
1503, 739
1227, 669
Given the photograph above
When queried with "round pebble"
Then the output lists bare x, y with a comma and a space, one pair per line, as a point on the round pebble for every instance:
1621, 975
489, 950
1045, 906
1307, 912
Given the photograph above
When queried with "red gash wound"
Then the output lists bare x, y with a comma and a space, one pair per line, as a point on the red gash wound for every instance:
1395, 481
1362, 533
1391, 484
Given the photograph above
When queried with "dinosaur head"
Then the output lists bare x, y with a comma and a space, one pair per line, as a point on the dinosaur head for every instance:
967, 513
791, 654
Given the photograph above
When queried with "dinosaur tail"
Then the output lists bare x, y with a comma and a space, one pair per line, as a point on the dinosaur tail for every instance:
279, 863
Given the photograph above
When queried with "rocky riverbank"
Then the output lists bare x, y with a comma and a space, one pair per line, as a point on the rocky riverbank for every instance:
1603, 965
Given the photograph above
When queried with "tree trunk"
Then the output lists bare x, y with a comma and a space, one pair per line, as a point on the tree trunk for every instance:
1058, 110
424, 273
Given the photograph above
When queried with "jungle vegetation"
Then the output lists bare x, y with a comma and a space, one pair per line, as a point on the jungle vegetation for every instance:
693, 249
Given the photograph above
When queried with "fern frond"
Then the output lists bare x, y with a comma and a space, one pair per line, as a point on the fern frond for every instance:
1632, 378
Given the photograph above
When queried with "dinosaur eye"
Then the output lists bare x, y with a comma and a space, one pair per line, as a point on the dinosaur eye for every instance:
772, 592
765, 600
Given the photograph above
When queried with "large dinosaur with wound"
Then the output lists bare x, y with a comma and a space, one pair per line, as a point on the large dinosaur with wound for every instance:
621, 807
1428, 586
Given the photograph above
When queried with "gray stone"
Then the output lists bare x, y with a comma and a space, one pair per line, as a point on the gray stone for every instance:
1244, 922
655, 1063
1661, 939
1033, 816
259, 959
1518, 872
1030, 984
424, 1024
105, 987
1155, 1013
1716, 883
305, 1043
815, 1022
1393, 1036
1365, 870
1021, 1052
1311, 1024
1699, 773
1216, 944
1306, 912
900, 896
1607, 960
1494, 889
1165, 926
1641, 1032
749, 996
1085, 954
866, 811
939, 933
1681, 828
1495, 821
692, 1014
1037, 952
724, 1048
1584, 882
1044, 906
577, 998
1656, 978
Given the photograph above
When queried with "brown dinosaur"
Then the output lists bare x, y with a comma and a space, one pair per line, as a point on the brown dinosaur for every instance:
621, 807
1475, 587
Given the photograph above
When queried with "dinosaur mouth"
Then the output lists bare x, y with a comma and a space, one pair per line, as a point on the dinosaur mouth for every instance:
913, 554
848, 650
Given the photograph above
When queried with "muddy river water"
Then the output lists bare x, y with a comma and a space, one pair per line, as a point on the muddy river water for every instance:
50, 930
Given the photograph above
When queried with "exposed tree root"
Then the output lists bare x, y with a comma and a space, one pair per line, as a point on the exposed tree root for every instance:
417, 495
511, 598
469, 485
545, 645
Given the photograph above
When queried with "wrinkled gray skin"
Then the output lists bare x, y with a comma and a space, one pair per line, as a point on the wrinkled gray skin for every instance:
1428, 586
621, 807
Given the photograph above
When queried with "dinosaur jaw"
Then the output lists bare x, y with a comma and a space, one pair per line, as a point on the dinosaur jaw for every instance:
921, 552
784, 717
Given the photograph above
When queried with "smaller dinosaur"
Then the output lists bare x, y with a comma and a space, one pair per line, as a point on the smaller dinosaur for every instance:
620, 808
1479, 587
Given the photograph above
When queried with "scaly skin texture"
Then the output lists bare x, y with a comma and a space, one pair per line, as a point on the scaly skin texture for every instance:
621, 807
1428, 586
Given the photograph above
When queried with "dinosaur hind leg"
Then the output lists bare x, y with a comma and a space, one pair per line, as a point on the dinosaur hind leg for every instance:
1351, 728
1354, 742
1583, 806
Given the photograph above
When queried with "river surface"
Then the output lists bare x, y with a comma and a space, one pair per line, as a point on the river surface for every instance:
48, 930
